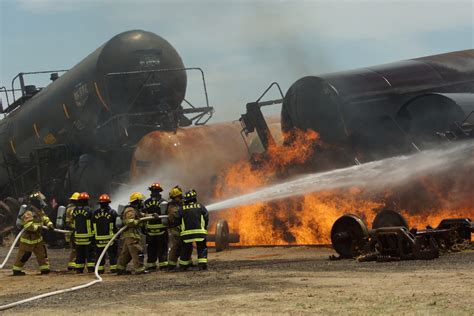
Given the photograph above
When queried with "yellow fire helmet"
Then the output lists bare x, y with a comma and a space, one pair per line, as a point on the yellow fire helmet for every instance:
75, 196
175, 192
136, 196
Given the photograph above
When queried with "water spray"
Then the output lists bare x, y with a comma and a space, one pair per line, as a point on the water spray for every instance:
376, 175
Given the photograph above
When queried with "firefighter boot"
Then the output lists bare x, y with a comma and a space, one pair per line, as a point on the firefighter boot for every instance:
123, 272
18, 273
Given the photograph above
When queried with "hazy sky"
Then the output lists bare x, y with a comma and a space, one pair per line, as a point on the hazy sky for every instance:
241, 45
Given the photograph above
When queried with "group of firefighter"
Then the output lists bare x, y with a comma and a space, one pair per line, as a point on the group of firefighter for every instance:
170, 227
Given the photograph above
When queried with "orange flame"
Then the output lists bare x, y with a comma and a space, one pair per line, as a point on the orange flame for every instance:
308, 219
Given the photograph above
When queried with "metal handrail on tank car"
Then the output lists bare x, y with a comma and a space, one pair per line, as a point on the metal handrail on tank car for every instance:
253, 119
204, 110
22, 83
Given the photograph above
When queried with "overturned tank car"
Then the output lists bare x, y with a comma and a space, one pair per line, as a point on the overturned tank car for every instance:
380, 111
79, 132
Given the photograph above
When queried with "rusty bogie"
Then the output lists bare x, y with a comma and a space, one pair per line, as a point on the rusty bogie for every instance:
390, 240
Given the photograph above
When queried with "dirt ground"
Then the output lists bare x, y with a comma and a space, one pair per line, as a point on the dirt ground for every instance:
263, 280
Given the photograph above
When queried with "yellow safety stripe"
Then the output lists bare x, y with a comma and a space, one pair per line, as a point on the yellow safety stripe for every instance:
155, 226
151, 265
31, 242
15, 268
172, 263
113, 267
163, 264
12, 145
102, 237
100, 97
66, 112
187, 241
44, 267
89, 230
86, 235
101, 268
202, 260
28, 224
82, 243
194, 231
184, 262
120, 267
91, 264
140, 269
80, 265
71, 264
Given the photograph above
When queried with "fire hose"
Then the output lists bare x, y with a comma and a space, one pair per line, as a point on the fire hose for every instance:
75, 288
18, 237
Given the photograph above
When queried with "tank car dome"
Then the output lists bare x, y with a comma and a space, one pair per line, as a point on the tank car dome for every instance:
311, 103
135, 51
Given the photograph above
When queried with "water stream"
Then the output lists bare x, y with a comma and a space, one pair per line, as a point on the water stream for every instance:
377, 175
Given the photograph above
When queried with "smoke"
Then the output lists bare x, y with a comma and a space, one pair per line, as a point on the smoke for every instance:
166, 175
376, 176
191, 158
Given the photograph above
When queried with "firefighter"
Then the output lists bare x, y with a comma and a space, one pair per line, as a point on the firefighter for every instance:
103, 221
31, 240
69, 236
83, 234
176, 200
130, 246
194, 219
155, 230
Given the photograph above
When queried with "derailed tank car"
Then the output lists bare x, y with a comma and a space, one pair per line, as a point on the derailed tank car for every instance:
382, 110
79, 132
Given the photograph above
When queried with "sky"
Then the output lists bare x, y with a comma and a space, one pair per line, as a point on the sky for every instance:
242, 46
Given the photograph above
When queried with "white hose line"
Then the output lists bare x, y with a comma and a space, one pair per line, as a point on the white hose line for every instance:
11, 248
16, 241
75, 288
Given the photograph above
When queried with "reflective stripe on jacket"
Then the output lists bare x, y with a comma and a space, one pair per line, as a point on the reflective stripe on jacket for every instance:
154, 227
194, 220
82, 224
32, 220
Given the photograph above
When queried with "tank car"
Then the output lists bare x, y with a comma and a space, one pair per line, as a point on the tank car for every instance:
79, 132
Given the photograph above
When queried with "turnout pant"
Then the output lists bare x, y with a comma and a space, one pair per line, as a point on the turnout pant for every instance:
85, 256
111, 253
157, 249
72, 255
174, 249
24, 253
131, 250
187, 250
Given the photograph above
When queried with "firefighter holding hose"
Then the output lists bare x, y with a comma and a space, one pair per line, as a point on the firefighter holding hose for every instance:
175, 202
83, 234
104, 223
194, 219
70, 236
31, 240
130, 247
156, 233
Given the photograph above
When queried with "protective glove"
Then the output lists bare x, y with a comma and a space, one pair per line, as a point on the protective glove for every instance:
50, 226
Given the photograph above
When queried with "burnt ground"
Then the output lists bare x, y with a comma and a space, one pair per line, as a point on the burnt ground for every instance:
270, 280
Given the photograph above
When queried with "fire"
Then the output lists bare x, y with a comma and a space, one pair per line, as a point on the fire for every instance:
308, 219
